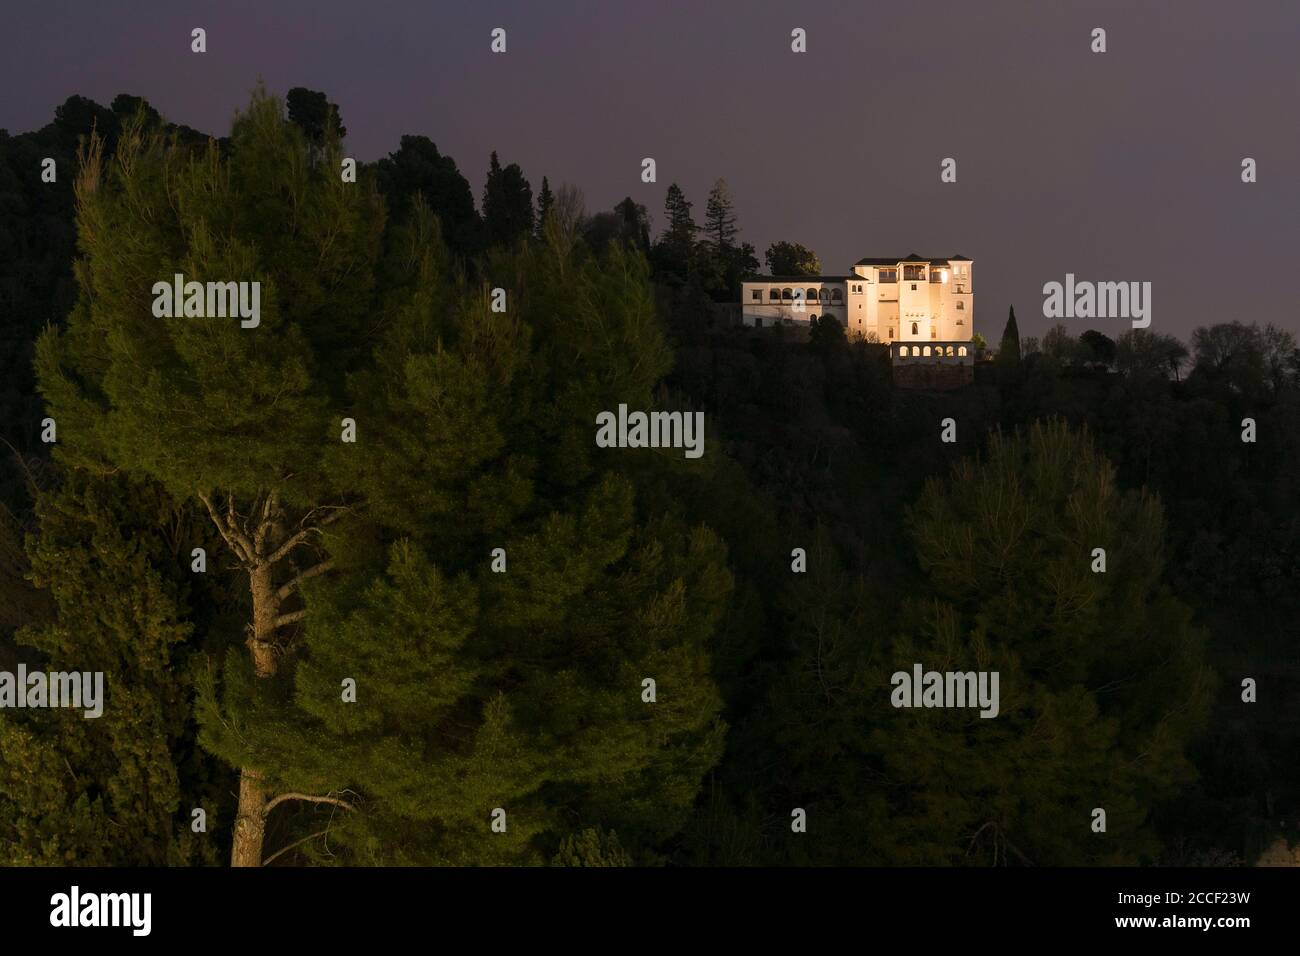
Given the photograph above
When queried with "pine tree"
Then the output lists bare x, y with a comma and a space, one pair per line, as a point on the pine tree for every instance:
520, 690
371, 562
675, 251
237, 418
313, 113
634, 224
720, 220
1102, 681
417, 168
507, 204
545, 200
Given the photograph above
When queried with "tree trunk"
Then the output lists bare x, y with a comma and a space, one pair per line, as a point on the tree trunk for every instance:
266, 607
250, 823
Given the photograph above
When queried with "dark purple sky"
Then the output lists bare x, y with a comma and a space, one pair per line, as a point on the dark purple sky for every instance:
1119, 166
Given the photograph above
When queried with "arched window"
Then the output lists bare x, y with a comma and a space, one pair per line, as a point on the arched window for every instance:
837, 296
787, 294
902, 350
927, 351
914, 330
824, 295
961, 350
774, 295
811, 295
950, 352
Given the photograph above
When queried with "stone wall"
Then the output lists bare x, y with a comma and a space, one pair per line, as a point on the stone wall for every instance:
932, 375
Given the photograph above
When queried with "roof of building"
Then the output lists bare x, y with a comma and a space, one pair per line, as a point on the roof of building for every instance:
802, 280
913, 257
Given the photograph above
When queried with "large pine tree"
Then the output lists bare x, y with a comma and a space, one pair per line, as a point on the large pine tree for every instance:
235, 417
512, 681
474, 431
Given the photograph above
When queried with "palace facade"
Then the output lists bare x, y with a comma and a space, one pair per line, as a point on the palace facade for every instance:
922, 308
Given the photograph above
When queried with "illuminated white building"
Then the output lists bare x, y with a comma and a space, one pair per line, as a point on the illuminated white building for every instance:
922, 308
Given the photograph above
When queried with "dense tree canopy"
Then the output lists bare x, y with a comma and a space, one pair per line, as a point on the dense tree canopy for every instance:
494, 590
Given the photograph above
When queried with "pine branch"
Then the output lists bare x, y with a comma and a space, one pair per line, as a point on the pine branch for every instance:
270, 510
231, 539
292, 543
290, 586
284, 850
232, 520
310, 798
336, 512
284, 619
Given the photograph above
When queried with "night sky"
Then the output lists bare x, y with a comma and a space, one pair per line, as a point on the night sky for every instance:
1117, 166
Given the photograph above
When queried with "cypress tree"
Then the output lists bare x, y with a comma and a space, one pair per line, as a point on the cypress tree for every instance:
1009, 348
